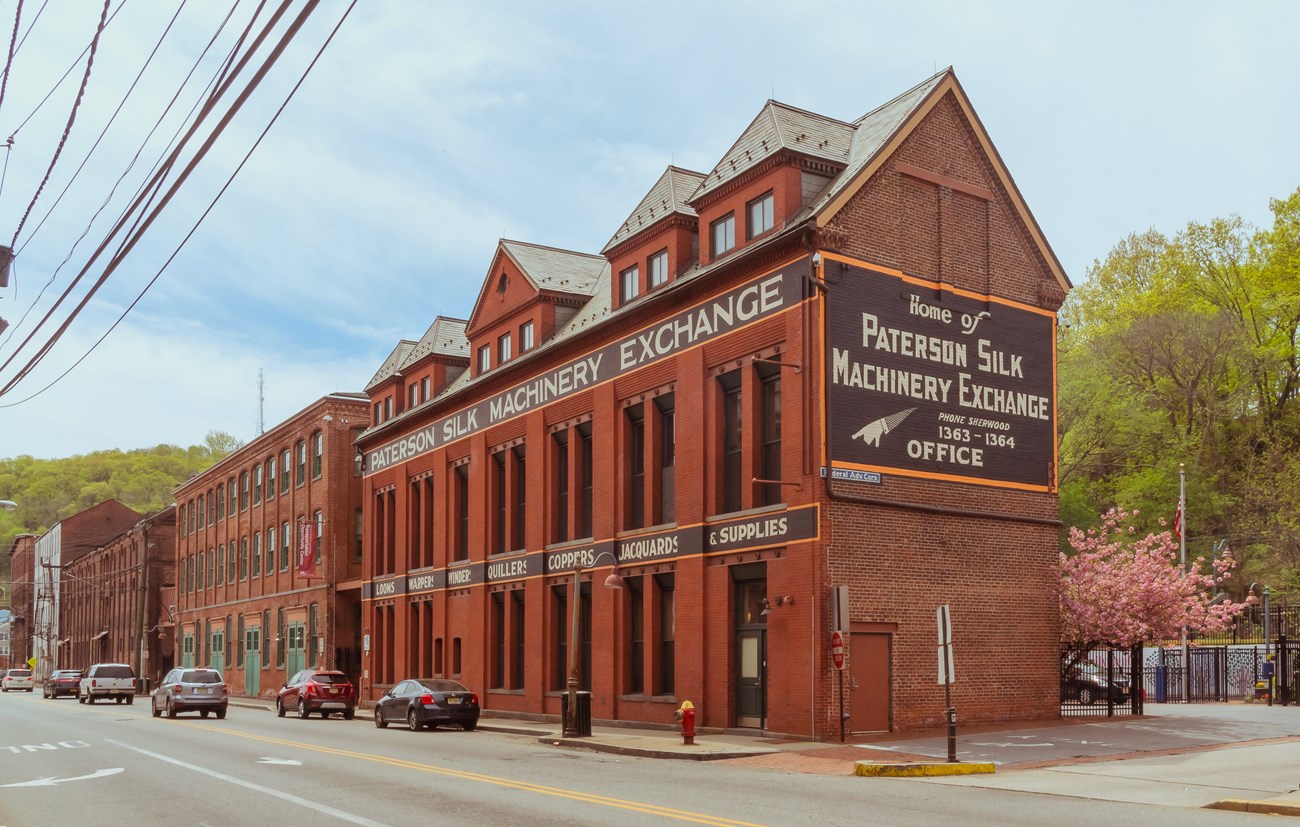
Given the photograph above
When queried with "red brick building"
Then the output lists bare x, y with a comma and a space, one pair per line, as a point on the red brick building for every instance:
823, 368
268, 552
114, 600
22, 564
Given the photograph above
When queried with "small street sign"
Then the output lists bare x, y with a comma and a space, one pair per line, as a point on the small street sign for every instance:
837, 649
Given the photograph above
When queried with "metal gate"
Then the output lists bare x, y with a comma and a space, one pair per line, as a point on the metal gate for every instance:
1102, 682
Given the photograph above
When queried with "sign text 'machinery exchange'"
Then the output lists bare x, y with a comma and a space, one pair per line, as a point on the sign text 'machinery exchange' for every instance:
759, 298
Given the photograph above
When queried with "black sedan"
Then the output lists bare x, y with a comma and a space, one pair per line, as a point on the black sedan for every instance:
1087, 684
428, 702
62, 682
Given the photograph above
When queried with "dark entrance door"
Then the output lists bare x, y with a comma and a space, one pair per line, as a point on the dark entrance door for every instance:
869, 667
751, 654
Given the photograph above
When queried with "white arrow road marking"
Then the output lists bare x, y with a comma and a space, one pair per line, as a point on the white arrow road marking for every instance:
283, 796
50, 781
288, 762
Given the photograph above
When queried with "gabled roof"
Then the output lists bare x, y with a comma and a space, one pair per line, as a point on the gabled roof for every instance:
778, 127
545, 268
668, 196
445, 337
881, 131
562, 271
393, 363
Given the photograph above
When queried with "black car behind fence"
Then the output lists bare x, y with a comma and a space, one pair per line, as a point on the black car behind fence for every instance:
1231, 665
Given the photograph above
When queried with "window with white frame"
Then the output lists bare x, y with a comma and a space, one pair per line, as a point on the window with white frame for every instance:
526, 337
723, 234
484, 359
658, 264
629, 284
760, 215
503, 349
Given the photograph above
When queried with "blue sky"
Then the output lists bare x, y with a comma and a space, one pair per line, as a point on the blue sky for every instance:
428, 130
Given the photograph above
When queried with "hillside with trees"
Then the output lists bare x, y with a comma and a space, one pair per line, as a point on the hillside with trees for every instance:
48, 490
1184, 349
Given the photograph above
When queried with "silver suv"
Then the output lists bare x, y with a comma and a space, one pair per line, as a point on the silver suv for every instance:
187, 688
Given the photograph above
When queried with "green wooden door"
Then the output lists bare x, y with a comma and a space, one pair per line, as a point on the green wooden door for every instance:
217, 651
187, 651
296, 651
252, 661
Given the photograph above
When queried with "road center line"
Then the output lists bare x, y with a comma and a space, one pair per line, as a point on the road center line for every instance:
220, 776
525, 786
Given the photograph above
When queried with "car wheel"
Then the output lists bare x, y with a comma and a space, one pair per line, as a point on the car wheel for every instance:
221, 713
80, 698
380, 723
130, 700
203, 713
154, 710
118, 700
302, 709
1086, 695
171, 710
90, 699
469, 726
413, 721
349, 714
279, 708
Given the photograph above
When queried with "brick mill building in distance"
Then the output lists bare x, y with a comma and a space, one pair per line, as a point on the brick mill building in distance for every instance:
820, 374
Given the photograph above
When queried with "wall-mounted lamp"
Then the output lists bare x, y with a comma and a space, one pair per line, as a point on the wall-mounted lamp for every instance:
779, 600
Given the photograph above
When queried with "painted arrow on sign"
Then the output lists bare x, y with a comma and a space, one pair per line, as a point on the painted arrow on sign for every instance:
50, 781
289, 762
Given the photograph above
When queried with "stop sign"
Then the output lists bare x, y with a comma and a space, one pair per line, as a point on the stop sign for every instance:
837, 649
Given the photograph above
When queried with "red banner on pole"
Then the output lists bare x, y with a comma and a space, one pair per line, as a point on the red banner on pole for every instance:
306, 549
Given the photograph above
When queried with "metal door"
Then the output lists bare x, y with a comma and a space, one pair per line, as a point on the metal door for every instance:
869, 668
252, 661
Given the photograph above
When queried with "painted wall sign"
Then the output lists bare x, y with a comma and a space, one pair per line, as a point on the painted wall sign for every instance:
756, 300
940, 383
775, 529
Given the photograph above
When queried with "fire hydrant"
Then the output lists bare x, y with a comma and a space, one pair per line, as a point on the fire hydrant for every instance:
686, 714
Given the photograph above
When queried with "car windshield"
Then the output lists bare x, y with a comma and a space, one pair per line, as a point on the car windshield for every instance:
330, 677
438, 685
66, 673
20, 673
114, 672
201, 676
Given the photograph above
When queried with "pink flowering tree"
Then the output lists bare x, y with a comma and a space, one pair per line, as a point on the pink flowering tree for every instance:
1120, 588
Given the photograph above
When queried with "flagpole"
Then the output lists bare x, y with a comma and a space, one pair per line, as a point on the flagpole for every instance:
1182, 562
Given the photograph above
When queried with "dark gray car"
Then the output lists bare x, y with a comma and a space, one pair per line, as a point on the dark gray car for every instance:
185, 689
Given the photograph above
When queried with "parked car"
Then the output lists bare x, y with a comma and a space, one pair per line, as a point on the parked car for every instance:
19, 680
428, 702
1087, 684
317, 690
62, 682
107, 680
184, 689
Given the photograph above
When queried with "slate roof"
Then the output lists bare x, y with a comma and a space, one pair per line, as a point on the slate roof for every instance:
778, 127
871, 133
393, 363
445, 337
550, 268
669, 195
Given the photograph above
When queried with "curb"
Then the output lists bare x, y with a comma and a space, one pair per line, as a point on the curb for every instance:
1268, 806
643, 752
876, 769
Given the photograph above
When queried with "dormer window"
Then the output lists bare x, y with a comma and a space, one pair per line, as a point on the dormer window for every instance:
485, 359
658, 267
760, 215
723, 234
629, 284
